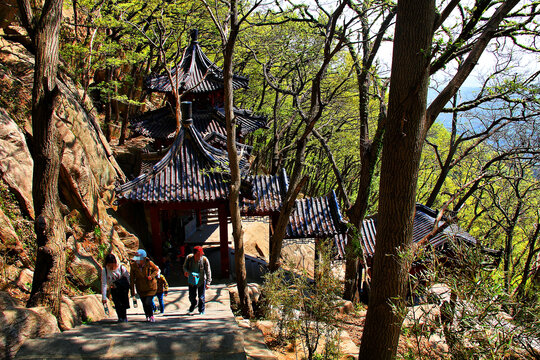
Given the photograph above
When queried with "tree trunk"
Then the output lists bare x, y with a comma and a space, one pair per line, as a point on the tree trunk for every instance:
369, 150
509, 244
402, 147
236, 219
49, 225
520, 291
315, 113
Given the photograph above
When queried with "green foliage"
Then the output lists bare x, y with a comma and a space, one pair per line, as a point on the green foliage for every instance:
87, 321
8, 203
102, 251
97, 232
478, 319
306, 309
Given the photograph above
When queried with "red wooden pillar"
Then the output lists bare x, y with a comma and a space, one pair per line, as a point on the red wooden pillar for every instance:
199, 218
223, 240
157, 243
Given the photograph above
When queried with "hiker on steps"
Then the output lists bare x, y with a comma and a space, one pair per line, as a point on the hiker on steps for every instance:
197, 270
116, 277
143, 278
162, 290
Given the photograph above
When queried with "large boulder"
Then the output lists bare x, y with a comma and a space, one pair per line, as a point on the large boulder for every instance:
7, 301
84, 266
18, 324
90, 307
16, 163
88, 169
80, 309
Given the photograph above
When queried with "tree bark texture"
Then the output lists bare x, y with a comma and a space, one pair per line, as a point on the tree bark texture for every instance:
402, 147
236, 219
49, 225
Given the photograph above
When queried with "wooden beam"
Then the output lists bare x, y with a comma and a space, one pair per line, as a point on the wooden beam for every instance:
157, 243
198, 217
273, 223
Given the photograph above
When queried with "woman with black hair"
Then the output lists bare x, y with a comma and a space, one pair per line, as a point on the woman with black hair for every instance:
116, 277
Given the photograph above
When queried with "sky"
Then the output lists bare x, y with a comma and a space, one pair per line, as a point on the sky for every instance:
524, 63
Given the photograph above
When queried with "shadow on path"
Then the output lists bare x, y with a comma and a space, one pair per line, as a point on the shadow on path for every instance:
175, 334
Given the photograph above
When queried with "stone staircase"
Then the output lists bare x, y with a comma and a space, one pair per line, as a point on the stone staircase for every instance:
175, 335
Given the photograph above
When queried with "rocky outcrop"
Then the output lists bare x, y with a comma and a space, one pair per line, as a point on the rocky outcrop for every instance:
87, 178
88, 170
80, 309
15, 162
18, 323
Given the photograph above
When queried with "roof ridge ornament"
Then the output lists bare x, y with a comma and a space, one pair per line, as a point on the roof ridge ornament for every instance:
194, 35
187, 117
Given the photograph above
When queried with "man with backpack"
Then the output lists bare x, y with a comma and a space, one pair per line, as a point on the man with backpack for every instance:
197, 270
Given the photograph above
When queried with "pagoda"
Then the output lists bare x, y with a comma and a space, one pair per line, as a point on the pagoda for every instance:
193, 175
200, 81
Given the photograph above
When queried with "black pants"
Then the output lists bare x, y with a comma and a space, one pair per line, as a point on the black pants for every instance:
147, 302
197, 296
121, 301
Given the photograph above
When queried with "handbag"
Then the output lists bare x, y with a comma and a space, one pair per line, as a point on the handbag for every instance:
122, 284
193, 278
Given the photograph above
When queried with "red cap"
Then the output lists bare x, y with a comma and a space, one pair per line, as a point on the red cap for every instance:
198, 249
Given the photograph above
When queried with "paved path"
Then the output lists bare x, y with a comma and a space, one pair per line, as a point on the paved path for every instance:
175, 334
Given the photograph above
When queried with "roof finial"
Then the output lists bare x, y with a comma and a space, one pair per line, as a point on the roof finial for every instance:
187, 119
194, 35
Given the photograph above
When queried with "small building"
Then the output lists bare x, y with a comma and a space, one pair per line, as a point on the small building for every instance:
425, 232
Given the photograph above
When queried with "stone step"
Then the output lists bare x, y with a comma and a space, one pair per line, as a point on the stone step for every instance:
176, 334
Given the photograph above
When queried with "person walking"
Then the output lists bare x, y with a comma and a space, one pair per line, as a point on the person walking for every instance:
197, 270
115, 276
162, 290
143, 278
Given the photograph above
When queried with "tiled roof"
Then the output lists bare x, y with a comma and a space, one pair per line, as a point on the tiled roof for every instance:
219, 141
424, 220
192, 170
268, 192
248, 121
340, 241
317, 217
161, 124
194, 74
195, 171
